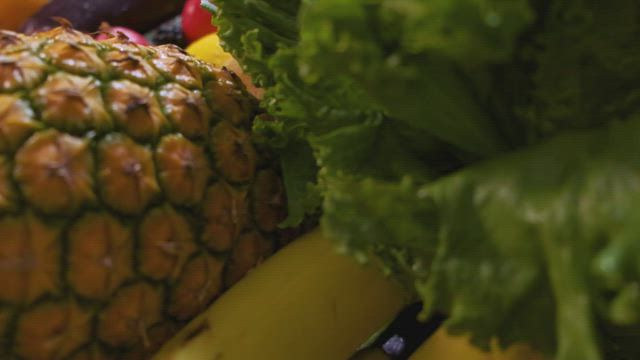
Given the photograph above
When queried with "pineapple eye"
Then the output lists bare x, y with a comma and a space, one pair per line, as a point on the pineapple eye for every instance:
234, 153
269, 203
29, 259
126, 175
167, 242
187, 110
136, 110
131, 67
230, 101
17, 123
100, 255
178, 69
183, 170
66, 324
250, 249
20, 70
226, 212
199, 283
72, 103
125, 320
10, 41
56, 172
78, 59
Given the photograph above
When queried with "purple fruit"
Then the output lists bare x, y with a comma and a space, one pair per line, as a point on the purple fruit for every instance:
139, 15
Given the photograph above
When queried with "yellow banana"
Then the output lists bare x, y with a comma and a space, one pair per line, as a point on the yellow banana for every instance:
442, 346
305, 302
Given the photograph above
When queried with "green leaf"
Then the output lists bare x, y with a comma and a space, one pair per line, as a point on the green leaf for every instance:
299, 172
587, 62
526, 242
476, 146
413, 58
253, 30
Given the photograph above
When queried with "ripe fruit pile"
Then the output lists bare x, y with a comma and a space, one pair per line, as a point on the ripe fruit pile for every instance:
193, 24
131, 193
196, 21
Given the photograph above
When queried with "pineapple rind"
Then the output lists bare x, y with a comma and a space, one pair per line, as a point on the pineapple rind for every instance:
131, 194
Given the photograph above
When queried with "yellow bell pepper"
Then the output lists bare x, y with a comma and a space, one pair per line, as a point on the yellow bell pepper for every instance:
209, 49
13, 13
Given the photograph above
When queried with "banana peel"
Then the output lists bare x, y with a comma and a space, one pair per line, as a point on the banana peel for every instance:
308, 302
443, 346
305, 302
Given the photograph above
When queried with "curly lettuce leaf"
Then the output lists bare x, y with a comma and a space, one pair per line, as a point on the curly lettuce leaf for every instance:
537, 246
587, 65
346, 129
415, 122
253, 31
426, 63
348, 126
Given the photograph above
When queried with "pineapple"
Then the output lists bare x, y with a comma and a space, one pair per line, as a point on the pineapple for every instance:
131, 194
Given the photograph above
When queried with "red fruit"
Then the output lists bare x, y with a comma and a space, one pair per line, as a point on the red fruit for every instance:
108, 31
196, 21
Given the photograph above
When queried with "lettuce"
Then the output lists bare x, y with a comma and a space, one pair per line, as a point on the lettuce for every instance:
484, 150
538, 245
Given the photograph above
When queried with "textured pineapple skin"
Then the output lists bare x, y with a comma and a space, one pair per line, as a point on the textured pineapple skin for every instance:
131, 194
